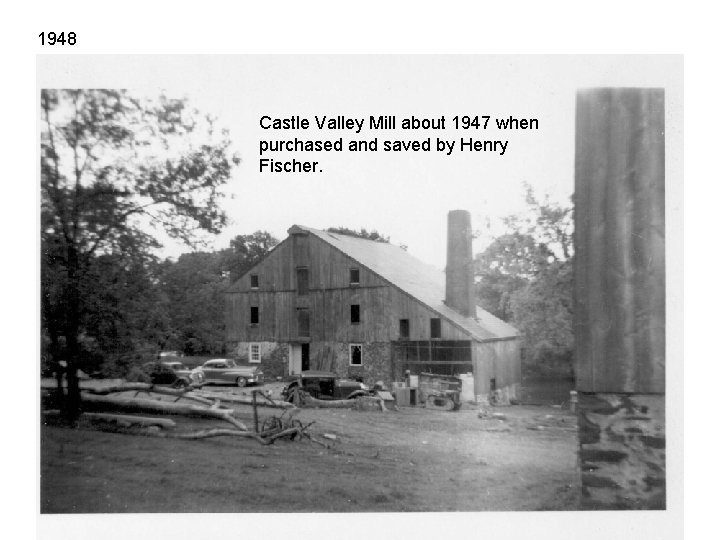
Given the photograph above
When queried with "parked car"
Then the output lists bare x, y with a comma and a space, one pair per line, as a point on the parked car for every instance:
226, 371
325, 385
169, 354
173, 373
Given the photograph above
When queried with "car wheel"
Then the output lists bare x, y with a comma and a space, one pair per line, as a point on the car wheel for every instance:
180, 383
241, 382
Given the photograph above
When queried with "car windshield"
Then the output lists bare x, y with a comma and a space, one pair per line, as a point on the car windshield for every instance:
176, 366
231, 363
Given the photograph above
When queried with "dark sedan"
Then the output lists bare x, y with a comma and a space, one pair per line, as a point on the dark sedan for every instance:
325, 385
173, 373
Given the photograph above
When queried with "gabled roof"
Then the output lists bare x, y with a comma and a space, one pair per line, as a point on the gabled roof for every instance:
423, 282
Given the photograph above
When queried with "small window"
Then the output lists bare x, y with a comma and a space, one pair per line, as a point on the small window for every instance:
354, 276
434, 328
404, 328
302, 281
254, 353
254, 281
254, 315
355, 355
355, 313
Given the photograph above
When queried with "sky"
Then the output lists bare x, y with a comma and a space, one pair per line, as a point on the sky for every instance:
403, 195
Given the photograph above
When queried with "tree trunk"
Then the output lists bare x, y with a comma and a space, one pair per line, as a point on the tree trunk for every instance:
244, 400
146, 405
124, 419
149, 387
217, 432
55, 356
362, 403
72, 331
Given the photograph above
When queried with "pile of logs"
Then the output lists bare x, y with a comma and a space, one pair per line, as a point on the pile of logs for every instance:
111, 403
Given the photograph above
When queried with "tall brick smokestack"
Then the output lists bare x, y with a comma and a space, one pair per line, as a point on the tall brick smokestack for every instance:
459, 273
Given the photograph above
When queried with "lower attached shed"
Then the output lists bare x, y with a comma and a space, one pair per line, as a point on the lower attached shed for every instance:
360, 308
495, 365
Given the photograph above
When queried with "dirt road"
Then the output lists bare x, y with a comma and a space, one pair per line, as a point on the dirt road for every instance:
408, 460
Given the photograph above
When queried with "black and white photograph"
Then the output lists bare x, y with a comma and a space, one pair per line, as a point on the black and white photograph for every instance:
380, 270
355, 284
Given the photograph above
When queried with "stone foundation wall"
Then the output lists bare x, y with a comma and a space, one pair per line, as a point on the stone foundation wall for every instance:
273, 357
622, 451
376, 364
325, 356
335, 356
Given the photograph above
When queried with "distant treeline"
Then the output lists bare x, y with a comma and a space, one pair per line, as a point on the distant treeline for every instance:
132, 309
525, 277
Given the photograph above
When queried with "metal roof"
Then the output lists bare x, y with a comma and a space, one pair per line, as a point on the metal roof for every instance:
422, 281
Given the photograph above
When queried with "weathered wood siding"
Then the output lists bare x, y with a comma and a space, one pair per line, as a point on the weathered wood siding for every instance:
329, 298
619, 240
499, 360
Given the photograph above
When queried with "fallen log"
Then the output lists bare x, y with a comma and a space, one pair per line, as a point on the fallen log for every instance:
220, 432
369, 403
127, 420
311, 402
243, 400
359, 403
164, 407
122, 387
208, 433
185, 393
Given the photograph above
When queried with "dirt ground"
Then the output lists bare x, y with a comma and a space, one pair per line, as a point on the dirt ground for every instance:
413, 459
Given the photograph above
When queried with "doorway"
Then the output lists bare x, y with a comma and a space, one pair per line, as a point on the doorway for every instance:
299, 358
305, 356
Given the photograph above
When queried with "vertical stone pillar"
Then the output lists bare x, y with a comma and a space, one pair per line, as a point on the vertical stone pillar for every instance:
620, 296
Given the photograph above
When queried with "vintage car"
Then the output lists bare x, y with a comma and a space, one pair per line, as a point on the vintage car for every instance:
325, 385
169, 354
173, 373
226, 371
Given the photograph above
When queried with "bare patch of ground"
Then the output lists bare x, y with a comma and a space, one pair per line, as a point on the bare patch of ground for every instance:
408, 460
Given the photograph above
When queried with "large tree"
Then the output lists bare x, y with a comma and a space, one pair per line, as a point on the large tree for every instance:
525, 277
508, 264
124, 315
192, 289
245, 251
113, 167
